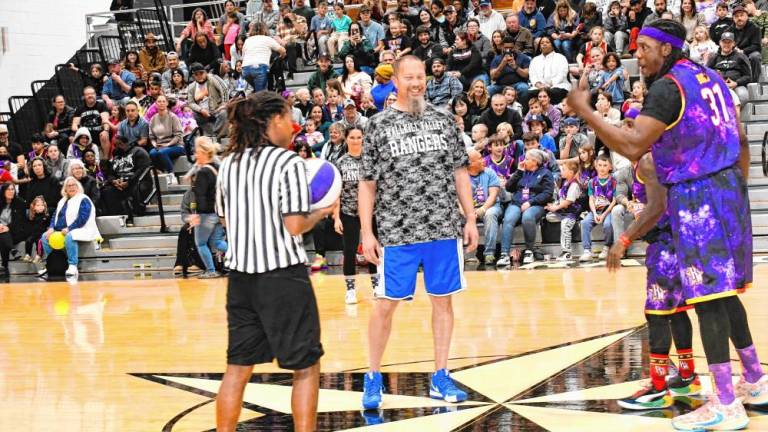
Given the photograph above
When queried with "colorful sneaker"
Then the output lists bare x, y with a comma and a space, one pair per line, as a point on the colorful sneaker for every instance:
647, 398
713, 416
442, 387
679, 386
490, 260
373, 390
753, 394
319, 263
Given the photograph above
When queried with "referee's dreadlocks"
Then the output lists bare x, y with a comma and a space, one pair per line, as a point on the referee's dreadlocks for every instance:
248, 119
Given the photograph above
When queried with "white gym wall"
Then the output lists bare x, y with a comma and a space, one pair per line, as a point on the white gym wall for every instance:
40, 34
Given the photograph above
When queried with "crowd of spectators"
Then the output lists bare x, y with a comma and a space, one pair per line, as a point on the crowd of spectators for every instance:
504, 75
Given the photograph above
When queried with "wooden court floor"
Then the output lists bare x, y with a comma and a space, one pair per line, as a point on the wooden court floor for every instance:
535, 349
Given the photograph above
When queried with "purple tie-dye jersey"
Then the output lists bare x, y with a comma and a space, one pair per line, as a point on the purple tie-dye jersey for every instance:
705, 138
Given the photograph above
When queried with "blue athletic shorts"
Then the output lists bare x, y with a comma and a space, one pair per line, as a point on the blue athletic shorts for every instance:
443, 262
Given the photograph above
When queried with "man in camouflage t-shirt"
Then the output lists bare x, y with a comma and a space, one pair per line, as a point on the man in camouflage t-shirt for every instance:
415, 169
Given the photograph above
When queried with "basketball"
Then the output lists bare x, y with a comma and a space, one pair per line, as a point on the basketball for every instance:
56, 240
324, 183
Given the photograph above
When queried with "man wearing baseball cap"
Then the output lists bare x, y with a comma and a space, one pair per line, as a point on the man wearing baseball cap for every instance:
323, 74
117, 88
489, 19
373, 31
732, 65
352, 118
442, 88
748, 38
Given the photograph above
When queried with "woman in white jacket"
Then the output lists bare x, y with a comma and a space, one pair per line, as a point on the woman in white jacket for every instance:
75, 218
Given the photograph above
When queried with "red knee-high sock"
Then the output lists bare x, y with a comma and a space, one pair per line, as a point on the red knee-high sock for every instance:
686, 364
659, 368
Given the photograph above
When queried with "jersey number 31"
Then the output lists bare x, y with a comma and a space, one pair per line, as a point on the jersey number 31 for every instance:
714, 96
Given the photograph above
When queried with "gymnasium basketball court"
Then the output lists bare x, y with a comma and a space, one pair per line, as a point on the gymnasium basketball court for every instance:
537, 349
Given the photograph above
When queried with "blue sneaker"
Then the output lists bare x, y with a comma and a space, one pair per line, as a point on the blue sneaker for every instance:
442, 387
373, 389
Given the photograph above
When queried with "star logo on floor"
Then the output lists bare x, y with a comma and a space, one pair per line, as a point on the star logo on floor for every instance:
570, 387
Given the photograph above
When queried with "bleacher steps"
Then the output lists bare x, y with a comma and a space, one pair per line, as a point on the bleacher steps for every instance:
111, 264
141, 242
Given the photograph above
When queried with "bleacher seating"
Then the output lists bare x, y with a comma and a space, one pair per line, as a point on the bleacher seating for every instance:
144, 247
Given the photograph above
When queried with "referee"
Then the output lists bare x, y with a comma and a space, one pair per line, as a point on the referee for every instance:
264, 199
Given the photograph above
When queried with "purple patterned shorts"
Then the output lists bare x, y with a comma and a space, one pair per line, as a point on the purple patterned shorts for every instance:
664, 291
712, 235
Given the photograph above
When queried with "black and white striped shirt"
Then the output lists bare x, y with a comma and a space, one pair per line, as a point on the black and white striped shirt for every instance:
253, 194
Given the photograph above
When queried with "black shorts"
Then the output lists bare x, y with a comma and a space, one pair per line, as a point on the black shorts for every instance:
273, 315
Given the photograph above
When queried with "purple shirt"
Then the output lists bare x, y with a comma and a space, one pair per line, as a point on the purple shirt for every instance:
705, 138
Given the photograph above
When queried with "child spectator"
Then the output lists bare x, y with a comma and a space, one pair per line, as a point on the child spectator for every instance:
572, 141
500, 162
589, 19
602, 198
506, 132
723, 23
605, 109
593, 71
510, 93
596, 40
346, 220
340, 27
334, 108
36, 224
302, 148
616, 29
312, 135
702, 46
398, 42
480, 138
567, 208
637, 96
367, 107
539, 125
92, 167
534, 108
39, 147
81, 143
612, 78
230, 29
586, 171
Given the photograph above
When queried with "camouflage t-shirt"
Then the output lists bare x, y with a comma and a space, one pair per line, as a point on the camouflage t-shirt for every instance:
349, 166
412, 159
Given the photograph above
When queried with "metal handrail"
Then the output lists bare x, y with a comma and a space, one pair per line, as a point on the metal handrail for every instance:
156, 192
765, 154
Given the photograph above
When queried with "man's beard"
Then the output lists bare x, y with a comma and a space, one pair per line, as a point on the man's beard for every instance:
416, 105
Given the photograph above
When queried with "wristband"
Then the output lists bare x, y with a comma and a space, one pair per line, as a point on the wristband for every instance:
625, 241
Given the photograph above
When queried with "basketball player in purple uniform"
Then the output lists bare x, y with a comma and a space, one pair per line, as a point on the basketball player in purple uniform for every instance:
665, 308
701, 155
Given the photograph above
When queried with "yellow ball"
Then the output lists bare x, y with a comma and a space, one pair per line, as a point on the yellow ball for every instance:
56, 240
